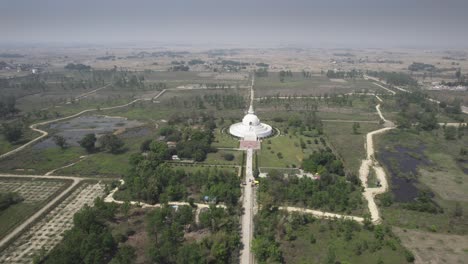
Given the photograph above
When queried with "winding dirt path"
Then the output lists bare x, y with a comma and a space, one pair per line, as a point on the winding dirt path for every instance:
45, 133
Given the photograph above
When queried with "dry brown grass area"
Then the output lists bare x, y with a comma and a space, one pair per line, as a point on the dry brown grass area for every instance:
434, 248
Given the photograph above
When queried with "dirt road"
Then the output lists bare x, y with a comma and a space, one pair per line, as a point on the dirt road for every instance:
321, 214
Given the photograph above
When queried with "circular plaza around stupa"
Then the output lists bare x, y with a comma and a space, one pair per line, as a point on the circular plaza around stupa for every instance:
250, 128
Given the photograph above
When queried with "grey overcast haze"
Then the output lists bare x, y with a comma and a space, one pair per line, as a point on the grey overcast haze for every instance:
346, 23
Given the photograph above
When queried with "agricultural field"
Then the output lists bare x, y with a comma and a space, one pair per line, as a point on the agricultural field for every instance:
35, 193
49, 231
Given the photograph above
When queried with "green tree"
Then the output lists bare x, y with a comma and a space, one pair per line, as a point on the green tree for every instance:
228, 156
111, 143
12, 131
60, 141
159, 150
88, 142
125, 255
356, 127
450, 133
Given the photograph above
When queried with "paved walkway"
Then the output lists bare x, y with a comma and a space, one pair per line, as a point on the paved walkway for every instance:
247, 218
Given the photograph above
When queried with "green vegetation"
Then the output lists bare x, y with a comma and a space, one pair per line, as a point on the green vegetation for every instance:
166, 231
419, 66
78, 66
40, 160
394, 78
440, 180
60, 141
8, 199
330, 192
111, 143
7, 106
88, 142
300, 84
297, 238
12, 131
90, 240
16, 207
353, 74
322, 162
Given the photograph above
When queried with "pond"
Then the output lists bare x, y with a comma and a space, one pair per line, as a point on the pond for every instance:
73, 130
402, 164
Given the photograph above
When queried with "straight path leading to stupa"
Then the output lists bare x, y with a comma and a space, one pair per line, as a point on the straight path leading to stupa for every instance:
248, 205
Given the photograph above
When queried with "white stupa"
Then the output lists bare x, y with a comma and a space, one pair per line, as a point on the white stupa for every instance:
250, 128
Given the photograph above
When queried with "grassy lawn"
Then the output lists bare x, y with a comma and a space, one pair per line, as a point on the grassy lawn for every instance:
288, 146
224, 140
348, 145
200, 167
218, 157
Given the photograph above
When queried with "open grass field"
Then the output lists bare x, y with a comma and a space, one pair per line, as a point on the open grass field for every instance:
31, 161
35, 192
176, 79
434, 248
348, 145
316, 85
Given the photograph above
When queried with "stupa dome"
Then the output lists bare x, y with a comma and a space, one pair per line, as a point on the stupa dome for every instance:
250, 127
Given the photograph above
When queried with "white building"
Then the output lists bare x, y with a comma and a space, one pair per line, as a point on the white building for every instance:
250, 128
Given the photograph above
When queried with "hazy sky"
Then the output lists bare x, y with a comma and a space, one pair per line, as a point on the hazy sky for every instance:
366, 23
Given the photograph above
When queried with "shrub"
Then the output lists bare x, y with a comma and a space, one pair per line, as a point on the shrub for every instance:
409, 256
229, 157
